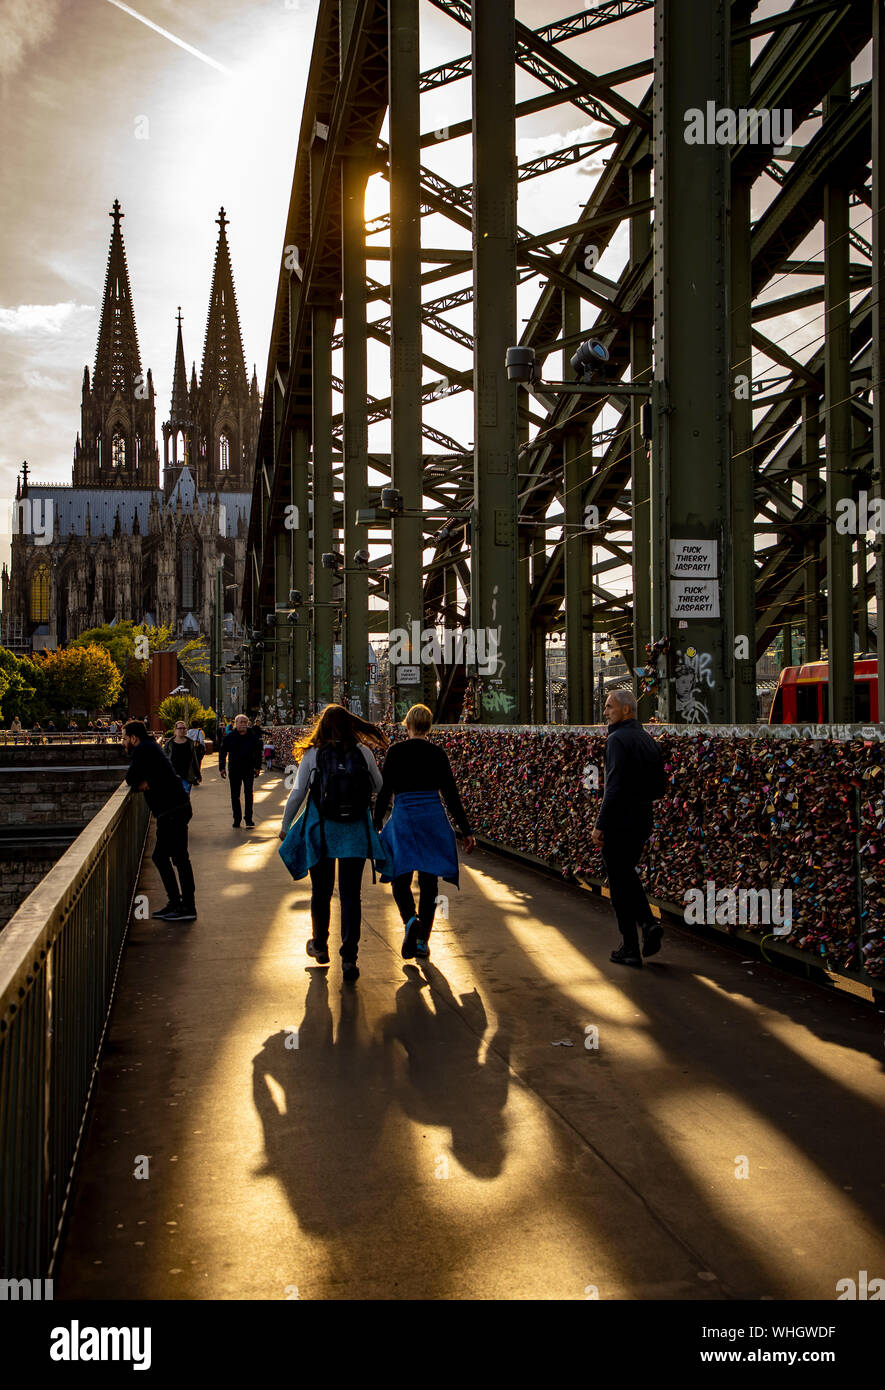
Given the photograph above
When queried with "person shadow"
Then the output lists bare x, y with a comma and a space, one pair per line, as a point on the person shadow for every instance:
322, 1096
445, 1083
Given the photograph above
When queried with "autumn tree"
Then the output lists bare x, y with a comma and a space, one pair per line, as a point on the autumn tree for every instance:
81, 677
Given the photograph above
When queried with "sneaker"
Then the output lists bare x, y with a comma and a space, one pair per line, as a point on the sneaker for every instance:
183, 914
422, 950
652, 936
318, 953
168, 911
250, 825
350, 971
237, 825
624, 957
413, 926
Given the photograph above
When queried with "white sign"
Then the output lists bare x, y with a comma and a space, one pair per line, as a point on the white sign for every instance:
694, 559
408, 675
694, 598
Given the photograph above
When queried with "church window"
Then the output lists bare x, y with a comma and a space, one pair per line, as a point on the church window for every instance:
187, 577
224, 453
118, 451
40, 594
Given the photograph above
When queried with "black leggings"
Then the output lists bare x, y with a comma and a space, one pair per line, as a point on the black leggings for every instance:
322, 881
405, 900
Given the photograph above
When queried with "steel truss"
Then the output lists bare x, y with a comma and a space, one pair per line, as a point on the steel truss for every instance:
495, 535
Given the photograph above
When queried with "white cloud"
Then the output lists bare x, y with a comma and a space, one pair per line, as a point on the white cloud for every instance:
24, 26
40, 318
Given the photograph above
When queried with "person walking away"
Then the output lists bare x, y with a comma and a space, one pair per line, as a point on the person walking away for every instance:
269, 752
337, 776
634, 779
418, 837
180, 751
242, 750
151, 772
198, 739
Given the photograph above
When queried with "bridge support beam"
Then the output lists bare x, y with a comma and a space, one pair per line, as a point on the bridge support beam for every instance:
578, 554
640, 370
299, 492
878, 314
406, 464
355, 622
691, 355
494, 550
323, 626
837, 347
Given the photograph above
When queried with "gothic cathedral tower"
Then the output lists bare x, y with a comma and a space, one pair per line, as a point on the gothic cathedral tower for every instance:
116, 446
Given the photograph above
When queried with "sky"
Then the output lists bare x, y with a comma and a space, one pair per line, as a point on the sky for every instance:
96, 104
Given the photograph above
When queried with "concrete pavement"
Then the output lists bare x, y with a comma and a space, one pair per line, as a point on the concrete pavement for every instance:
428, 1134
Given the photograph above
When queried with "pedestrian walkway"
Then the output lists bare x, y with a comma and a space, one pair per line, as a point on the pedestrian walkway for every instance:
441, 1131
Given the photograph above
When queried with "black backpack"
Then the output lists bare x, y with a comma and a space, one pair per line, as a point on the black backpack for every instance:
652, 762
342, 788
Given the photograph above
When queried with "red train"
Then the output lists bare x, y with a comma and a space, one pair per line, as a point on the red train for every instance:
803, 694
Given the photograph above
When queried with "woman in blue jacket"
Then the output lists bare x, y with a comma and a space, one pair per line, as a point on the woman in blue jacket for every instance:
337, 777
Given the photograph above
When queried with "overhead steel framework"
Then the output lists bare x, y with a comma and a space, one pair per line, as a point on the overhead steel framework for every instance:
696, 517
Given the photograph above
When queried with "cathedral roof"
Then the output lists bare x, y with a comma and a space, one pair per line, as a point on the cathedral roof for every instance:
70, 505
180, 411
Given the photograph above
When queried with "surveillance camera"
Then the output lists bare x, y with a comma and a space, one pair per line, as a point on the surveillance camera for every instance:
292, 618
521, 366
295, 598
361, 558
269, 619
590, 361
331, 560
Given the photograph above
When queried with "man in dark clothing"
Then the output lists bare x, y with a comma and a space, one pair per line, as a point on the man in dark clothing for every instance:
634, 777
243, 751
151, 772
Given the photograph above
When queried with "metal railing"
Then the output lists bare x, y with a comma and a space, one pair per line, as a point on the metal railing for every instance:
24, 736
59, 956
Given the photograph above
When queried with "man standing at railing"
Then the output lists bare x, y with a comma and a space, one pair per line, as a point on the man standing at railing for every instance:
151, 772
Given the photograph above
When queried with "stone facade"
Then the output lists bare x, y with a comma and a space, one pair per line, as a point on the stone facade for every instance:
116, 544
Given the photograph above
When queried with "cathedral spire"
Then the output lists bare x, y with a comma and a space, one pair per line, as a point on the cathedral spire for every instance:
117, 359
179, 414
224, 364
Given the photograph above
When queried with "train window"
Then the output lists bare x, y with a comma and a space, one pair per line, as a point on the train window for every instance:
776, 715
862, 702
806, 704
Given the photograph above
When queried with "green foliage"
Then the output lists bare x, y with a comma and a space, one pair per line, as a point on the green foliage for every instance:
22, 687
118, 641
193, 654
81, 677
196, 716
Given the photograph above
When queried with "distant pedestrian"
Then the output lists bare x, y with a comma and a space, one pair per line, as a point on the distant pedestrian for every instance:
152, 773
634, 778
198, 738
337, 775
242, 750
179, 749
269, 752
418, 837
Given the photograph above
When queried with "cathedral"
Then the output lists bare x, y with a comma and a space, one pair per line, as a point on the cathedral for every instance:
118, 543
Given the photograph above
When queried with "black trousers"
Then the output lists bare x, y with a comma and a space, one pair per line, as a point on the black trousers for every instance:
322, 881
171, 849
405, 899
240, 778
621, 852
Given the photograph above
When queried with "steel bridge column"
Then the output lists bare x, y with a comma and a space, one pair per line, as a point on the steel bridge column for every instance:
406, 461
322, 613
355, 626
640, 370
299, 667
811, 493
743, 473
837, 348
577, 555
691, 344
878, 322
494, 552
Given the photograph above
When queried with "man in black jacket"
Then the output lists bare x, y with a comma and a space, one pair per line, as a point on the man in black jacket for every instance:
244, 752
634, 778
151, 772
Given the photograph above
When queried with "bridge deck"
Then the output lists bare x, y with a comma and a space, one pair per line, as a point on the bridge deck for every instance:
429, 1139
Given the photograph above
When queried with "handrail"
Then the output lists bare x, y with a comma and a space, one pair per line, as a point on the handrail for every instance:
59, 955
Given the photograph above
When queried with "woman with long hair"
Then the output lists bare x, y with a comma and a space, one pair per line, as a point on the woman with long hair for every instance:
337, 776
418, 836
